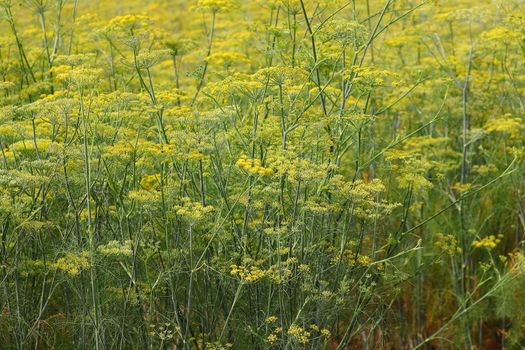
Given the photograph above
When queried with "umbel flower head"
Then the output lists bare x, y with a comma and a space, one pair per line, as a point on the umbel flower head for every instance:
216, 5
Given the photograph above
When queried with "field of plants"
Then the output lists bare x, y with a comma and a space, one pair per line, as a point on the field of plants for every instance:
263, 174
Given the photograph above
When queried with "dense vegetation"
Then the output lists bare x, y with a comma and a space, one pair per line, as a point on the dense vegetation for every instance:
267, 174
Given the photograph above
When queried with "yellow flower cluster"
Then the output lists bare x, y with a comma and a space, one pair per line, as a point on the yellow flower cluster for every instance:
488, 242
299, 333
352, 259
216, 5
195, 155
253, 166
360, 189
298, 169
280, 75
346, 33
366, 78
271, 319
128, 22
325, 332
247, 273
284, 271
506, 124
73, 263
227, 58
80, 76
447, 243
272, 338
147, 199
28, 146
322, 331
116, 248
500, 34
192, 211
150, 182
462, 187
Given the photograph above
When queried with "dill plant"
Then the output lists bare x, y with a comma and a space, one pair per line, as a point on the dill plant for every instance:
284, 174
